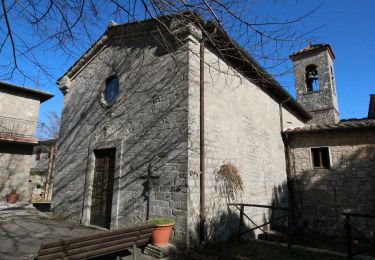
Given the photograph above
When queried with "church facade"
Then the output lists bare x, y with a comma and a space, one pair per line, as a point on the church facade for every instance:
136, 138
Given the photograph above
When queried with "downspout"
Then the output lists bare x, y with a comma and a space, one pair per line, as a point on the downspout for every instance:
202, 214
288, 169
202, 209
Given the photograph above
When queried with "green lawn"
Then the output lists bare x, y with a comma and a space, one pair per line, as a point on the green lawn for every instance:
333, 244
246, 249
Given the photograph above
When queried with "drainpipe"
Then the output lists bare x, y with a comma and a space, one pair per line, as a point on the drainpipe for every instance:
288, 169
202, 213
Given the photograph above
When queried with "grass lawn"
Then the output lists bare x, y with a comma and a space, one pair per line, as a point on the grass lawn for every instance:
246, 249
333, 244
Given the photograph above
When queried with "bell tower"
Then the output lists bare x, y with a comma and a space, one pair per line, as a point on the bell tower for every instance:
315, 83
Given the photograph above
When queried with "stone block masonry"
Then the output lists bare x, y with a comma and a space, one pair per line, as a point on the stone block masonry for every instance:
147, 126
243, 128
321, 103
348, 185
154, 125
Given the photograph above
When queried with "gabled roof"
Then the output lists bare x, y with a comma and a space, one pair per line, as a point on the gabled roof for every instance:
42, 95
313, 48
228, 48
343, 125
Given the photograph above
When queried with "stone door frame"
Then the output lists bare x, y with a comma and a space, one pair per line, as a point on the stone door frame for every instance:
89, 181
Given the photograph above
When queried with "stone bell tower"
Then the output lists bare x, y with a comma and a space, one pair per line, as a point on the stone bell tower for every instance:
315, 83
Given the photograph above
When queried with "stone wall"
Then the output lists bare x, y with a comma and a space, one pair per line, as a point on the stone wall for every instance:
15, 163
10, 104
242, 127
147, 126
349, 185
15, 158
154, 124
40, 164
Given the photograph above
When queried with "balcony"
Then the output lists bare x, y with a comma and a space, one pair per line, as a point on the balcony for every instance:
18, 130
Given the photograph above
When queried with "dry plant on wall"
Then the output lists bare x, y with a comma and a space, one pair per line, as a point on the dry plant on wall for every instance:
220, 223
229, 180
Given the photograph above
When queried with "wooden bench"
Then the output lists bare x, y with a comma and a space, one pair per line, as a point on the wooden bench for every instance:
96, 245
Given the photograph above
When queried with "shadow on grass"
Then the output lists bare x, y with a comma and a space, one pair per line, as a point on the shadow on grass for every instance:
248, 249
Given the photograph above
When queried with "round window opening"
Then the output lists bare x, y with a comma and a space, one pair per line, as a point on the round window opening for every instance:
111, 90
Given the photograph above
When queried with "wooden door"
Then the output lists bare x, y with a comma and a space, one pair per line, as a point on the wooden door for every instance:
101, 203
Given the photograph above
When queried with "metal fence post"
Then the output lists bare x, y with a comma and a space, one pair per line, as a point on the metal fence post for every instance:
11, 134
289, 230
349, 237
241, 220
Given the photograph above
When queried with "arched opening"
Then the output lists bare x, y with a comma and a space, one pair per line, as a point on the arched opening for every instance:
312, 79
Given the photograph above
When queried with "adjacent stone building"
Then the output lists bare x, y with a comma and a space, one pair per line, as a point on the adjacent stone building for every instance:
332, 161
132, 109
19, 108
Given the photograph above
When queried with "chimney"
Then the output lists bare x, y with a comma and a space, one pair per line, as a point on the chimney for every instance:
371, 110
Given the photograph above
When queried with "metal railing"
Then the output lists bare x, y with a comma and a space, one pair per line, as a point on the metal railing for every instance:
286, 216
15, 129
349, 235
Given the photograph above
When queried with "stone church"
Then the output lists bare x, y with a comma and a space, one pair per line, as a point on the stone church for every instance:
150, 117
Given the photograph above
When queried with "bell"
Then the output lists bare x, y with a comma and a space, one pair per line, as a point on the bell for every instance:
312, 75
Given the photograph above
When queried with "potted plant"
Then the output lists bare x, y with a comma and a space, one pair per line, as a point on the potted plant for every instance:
162, 231
12, 197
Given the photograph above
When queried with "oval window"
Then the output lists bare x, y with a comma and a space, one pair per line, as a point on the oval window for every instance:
111, 90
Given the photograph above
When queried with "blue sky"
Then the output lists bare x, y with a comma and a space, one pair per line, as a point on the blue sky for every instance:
349, 26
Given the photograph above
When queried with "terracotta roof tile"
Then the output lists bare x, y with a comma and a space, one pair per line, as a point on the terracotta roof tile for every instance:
312, 48
364, 123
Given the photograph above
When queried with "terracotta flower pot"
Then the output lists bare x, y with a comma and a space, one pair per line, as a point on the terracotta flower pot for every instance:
161, 234
12, 198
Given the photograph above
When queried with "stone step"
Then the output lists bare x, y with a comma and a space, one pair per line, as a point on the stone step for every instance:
273, 235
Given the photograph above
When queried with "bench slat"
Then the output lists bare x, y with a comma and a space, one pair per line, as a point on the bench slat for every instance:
60, 248
58, 255
133, 235
86, 247
99, 235
108, 244
104, 251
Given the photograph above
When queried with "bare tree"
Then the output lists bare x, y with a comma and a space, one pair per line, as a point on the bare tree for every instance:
32, 30
51, 128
